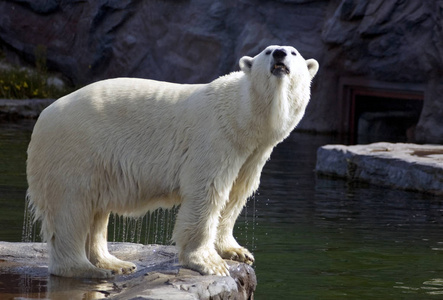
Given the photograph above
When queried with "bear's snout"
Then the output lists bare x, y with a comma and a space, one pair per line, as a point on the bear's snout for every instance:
278, 66
279, 54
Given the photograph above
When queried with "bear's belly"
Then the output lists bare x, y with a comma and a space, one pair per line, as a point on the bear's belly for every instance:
140, 207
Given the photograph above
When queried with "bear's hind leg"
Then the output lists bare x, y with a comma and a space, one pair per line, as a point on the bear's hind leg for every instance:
97, 247
67, 249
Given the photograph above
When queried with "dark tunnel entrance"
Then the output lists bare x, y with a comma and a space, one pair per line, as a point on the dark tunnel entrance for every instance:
381, 114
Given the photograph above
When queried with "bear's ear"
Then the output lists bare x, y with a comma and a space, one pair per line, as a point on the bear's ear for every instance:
312, 67
246, 64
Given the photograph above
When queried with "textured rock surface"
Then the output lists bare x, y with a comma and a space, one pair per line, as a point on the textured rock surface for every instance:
197, 41
27, 109
24, 273
405, 166
430, 126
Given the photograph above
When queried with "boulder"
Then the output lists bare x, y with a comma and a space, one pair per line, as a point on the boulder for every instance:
24, 273
22, 109
197, 41
405, 166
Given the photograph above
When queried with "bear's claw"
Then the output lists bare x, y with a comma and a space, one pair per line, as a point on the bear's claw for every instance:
238, 254
116, 265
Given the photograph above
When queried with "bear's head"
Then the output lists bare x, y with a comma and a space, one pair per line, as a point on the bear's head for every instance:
281, 77
279, 62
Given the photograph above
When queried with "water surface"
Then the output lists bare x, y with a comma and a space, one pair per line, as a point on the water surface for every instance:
313, 238
319, 238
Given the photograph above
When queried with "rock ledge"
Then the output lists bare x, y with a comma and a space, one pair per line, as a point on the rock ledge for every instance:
13, 109
24, 275
405, 166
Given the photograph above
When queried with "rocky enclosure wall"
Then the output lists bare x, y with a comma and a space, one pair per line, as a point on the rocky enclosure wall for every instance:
196, 41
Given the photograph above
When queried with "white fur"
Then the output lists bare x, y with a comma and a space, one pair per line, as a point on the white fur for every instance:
131, 145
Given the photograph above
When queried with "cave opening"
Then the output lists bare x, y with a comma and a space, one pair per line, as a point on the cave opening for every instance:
381, 112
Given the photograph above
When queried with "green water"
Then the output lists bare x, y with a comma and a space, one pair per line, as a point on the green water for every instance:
319, 238
313, 238
14, 139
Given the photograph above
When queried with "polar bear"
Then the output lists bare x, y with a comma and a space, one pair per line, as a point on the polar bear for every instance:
130, 145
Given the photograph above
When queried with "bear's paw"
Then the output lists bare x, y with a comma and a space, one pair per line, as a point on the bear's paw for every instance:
81, 270
206, 261
117, 266
239, 254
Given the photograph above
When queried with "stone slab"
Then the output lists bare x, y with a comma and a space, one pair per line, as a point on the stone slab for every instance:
24, 275
405, 166
12, 109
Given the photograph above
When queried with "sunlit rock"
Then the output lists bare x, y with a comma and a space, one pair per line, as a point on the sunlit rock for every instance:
405, 166
24, 273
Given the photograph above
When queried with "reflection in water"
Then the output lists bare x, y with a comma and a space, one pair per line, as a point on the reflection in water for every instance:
29, 286
72, 288
313, 238
51, 287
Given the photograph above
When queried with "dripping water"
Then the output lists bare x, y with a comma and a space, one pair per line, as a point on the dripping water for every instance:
29, 230
254, 222
155, 227
246, 225
245, 211
156, 218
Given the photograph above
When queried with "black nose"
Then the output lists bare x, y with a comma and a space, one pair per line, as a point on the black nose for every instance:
279, 53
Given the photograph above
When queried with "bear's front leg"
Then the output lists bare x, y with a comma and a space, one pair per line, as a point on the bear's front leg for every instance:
194, 234
246, 183
225, 243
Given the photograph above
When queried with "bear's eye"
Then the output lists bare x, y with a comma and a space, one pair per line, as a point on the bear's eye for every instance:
268, 52
293, 53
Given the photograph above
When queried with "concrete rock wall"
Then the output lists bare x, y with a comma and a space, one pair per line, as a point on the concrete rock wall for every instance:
196, 41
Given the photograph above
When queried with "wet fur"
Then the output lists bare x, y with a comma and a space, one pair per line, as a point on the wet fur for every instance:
131, 145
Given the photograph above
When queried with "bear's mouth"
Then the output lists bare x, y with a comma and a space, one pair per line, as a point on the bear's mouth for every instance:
279, 69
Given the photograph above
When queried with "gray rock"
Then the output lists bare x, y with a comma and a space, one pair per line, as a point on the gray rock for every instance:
197, 41
158, 276
430, 125
23, 108
404, 166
